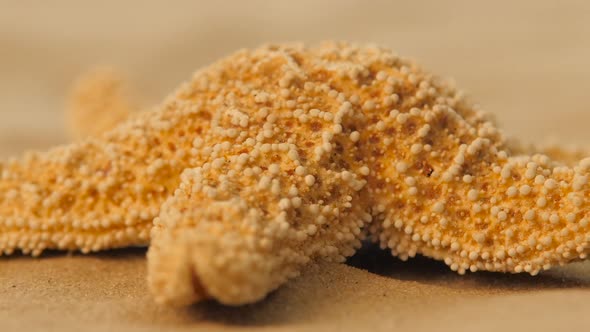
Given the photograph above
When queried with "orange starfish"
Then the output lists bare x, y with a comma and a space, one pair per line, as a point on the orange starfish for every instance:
286, 154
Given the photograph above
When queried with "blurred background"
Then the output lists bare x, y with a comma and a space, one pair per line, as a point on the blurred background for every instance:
528, 61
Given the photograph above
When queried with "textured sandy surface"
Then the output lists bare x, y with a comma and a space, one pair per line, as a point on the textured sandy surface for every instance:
108, 291
527, 62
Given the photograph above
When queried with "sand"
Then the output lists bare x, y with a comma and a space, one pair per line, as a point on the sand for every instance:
528, 63
107, 292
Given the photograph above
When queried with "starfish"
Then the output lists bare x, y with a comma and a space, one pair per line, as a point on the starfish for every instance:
277, 157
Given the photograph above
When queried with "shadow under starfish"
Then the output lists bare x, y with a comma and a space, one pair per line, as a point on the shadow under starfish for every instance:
429, 271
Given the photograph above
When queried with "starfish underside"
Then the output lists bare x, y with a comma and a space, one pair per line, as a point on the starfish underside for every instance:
277, 157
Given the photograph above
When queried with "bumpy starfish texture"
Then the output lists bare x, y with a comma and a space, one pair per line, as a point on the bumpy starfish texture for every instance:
296, 195
286, 153
452, 190
100, 100
99, 193
279, 183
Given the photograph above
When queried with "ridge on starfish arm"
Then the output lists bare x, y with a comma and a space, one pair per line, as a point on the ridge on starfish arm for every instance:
287, 153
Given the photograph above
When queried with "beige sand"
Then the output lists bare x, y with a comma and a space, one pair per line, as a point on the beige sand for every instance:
527, 62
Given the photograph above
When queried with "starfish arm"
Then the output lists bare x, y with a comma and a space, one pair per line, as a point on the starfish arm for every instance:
98, 193
453, 192
444, 181
239, 245
99, 101
479, 208
274, 188
70, 198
